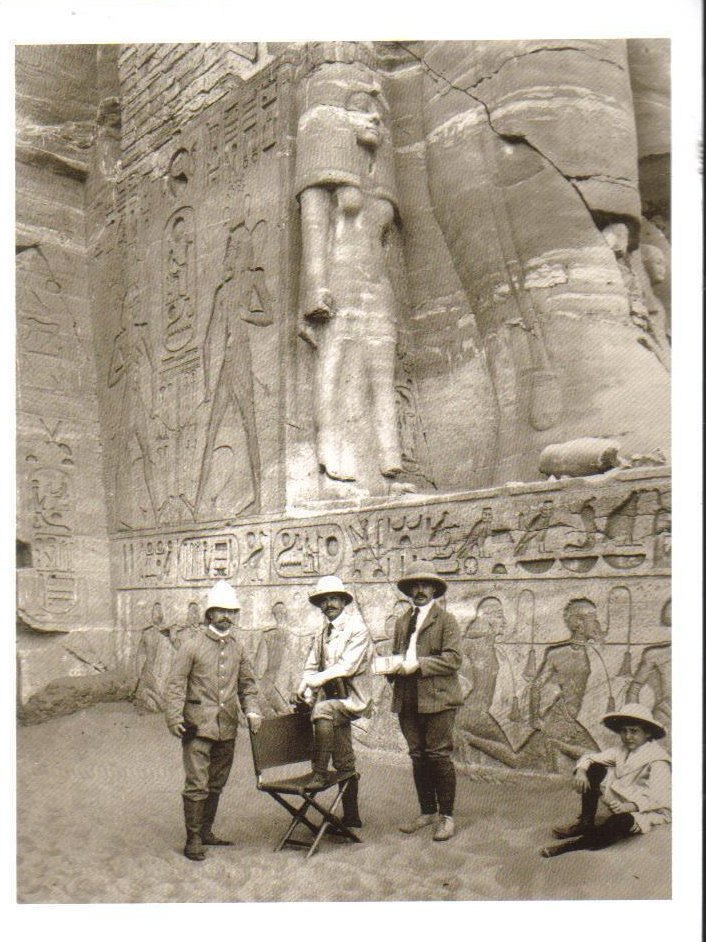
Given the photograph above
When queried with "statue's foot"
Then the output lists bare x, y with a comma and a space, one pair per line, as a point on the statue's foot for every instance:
391, 467
337, 473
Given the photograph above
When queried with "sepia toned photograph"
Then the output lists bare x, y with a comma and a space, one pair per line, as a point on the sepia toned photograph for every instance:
344, 470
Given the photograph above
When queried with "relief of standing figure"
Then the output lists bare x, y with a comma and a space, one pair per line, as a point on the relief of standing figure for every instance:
228, 367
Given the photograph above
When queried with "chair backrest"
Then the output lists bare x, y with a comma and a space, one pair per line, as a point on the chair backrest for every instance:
282, 740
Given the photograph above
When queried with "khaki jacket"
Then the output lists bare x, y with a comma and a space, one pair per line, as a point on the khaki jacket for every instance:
439, 656
210, 676
346, 654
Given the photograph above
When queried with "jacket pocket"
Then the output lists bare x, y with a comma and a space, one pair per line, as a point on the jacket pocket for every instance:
198, 702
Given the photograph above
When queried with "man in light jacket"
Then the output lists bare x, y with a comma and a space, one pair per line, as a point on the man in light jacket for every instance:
210, 675
337, 680
426, 695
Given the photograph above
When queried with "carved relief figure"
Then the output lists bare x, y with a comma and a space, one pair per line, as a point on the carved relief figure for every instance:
271, 652
179, 633
654, 674
228, 368
536, 530
132, 364
557, 692
152, 661
345, 185
480, 667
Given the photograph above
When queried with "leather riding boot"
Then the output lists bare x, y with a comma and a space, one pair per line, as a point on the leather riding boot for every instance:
193, 814
351, 815
589, 806
210, 807
323, 747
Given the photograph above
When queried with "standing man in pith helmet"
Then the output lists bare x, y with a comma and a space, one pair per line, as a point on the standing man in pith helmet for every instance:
209, 676
426, 696
337, 680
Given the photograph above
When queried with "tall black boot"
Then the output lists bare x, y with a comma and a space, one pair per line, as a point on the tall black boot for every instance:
193, 815
324, 738
589, 805
614, 829
210, 807
351, 815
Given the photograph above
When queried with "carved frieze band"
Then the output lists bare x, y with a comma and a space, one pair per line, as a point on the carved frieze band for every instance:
623, 529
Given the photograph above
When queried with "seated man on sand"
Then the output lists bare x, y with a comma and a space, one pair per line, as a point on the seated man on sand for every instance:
633, 779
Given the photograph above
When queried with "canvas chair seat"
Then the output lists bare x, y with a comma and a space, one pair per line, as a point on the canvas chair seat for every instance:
285, 741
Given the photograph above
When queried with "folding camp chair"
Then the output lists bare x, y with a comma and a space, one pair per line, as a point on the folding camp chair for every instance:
286, 740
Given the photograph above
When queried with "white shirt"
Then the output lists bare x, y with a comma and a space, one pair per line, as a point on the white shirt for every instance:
411, 655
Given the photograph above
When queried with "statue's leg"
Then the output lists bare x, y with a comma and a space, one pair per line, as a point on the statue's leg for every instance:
381, 369
330, 419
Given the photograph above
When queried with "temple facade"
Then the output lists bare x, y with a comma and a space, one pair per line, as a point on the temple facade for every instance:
293, 310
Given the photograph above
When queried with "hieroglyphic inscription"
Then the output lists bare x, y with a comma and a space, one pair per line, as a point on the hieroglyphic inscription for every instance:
303, 552
47, 337
52, 505
179, 283
554, 533
250, 125
213, 557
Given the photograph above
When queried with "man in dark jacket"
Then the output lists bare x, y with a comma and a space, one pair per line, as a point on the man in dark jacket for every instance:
210, 674
426, 695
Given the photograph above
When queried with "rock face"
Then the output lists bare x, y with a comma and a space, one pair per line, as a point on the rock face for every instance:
64, 584
295, 310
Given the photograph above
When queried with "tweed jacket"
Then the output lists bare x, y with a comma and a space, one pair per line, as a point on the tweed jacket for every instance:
209, 676
439, 657
345, 654
642, 776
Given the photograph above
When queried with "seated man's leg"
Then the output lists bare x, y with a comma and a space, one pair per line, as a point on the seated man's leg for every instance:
219, 769
613, 829
589, 803
344, 761
322, 718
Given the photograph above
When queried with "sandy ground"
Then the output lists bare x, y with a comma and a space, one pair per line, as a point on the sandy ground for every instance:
100, 821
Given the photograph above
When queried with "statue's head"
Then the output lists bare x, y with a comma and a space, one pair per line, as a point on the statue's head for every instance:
343, 137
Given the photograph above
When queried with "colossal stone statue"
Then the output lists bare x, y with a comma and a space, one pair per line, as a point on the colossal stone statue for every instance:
346, 189
531, 151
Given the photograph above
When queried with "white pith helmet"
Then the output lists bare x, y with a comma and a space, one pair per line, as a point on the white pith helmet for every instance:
329, 585
222, 595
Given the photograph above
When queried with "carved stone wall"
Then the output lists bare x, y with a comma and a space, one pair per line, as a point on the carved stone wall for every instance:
514, 557
430, 258
189, 272
65, 607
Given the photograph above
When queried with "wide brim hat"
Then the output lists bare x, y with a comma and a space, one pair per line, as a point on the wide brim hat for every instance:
637, 713
223, 595
329, 585
422, 574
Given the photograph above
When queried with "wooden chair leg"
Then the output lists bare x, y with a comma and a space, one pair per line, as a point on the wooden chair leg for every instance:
327, 822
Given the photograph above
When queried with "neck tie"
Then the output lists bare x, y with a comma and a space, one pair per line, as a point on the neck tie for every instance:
412, 624
329, 629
